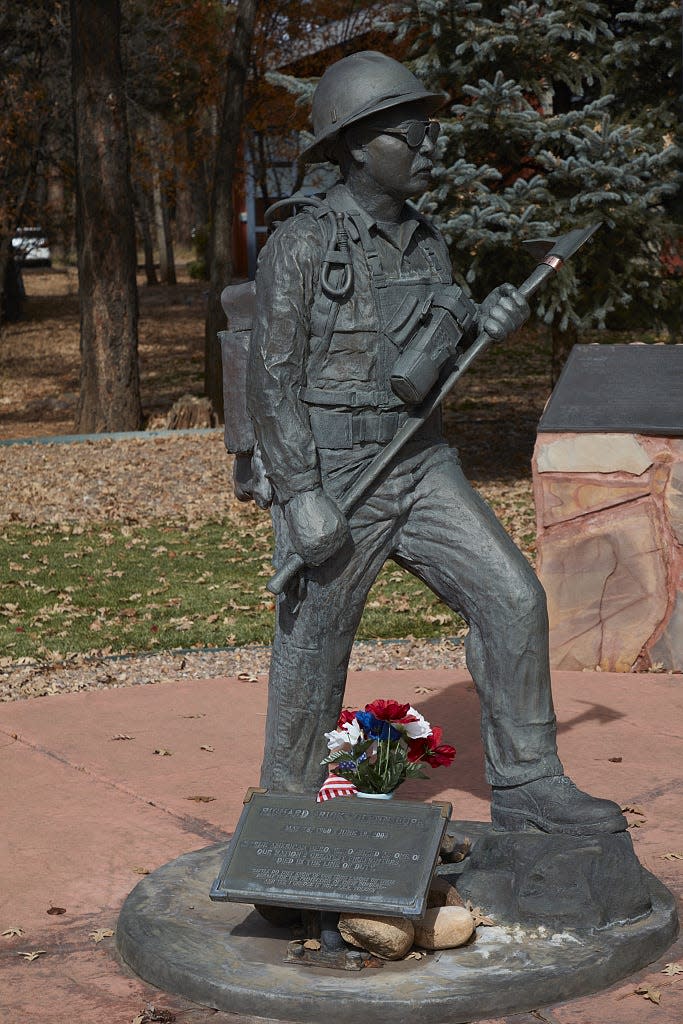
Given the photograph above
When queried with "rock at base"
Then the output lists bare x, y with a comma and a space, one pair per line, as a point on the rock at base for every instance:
386, 937
443, 894
444, 928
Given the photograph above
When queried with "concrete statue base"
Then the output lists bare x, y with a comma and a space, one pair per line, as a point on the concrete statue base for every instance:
228, 957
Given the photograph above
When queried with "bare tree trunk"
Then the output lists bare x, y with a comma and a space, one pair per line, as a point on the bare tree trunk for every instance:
160, 226
162, 219
143, 207
220, 241
105, 225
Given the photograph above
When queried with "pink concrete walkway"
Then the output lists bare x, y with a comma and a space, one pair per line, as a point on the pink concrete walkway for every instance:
84, 814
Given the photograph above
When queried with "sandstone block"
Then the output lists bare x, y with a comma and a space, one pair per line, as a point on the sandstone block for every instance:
386, 937
567, 497
592, 453
606, 582
674, 501
444, 928
668, 650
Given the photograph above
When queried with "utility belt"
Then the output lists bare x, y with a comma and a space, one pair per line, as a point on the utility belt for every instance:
338, 429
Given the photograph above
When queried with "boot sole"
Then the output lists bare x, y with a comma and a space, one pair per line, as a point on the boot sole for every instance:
507, 820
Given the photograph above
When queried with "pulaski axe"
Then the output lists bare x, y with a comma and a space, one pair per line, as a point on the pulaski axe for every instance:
552, 254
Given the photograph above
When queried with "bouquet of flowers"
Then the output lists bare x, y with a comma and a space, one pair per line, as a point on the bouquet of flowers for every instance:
377, 749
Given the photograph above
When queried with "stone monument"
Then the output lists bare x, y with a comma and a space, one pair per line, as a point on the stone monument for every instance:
357, 334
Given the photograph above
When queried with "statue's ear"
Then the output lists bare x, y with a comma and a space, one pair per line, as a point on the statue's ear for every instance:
353, 140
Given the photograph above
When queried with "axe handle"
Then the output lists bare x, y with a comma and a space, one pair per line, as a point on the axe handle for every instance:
294, 563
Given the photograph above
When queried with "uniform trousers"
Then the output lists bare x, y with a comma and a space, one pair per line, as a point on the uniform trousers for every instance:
425, 516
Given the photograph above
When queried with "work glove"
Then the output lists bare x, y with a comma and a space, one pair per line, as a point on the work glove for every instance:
317, 528
249, 479
502, 312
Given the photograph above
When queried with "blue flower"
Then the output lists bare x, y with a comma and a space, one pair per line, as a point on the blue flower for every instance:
375, 728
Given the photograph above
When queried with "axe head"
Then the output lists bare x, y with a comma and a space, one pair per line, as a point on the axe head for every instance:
561, 248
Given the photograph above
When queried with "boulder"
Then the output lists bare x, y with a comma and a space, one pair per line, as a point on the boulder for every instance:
386, 937
443, 894
444, 928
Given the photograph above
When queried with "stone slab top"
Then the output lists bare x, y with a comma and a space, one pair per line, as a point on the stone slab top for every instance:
634, 389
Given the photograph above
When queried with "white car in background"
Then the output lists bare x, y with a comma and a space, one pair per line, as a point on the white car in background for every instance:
30, 248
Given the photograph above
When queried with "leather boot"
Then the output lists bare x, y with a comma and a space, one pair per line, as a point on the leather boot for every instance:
554, 804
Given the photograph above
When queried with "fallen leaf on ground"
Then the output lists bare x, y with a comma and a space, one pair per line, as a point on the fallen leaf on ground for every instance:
629, 809
201, 799
311, 944
478, 915
150, 1015
32, 954
208, 747
461, 851
415, 955
101, 933
141, 871
647, 992
672, 969
193, 716
424, 689
373, 961
162, 752
56, 910
13, 931
615, 760
122, 736
636, 823
247, 677
672, 856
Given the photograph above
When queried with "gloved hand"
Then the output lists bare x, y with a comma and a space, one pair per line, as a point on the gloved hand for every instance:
317, 528
502, 312
249, 479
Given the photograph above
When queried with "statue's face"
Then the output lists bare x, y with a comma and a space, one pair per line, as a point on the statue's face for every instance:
394, 166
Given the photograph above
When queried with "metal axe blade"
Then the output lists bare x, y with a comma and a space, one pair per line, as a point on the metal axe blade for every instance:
561, 248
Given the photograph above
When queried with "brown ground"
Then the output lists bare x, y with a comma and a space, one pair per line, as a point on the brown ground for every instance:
39, 356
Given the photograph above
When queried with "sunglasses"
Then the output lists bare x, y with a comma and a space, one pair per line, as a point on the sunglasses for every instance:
415, 132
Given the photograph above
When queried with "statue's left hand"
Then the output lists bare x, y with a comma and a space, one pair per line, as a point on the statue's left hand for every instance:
249, 480
503, 311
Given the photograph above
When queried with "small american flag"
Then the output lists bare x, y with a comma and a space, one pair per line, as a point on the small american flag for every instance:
335, 785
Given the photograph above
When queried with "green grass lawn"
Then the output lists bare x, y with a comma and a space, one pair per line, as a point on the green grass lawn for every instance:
127, 589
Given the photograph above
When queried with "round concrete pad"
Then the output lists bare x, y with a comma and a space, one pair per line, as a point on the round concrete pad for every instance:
226, 956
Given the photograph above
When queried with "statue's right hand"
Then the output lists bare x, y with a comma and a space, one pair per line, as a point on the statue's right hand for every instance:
317, 528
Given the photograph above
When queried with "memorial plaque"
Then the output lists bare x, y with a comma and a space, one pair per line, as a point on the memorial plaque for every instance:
634, 389
341, 855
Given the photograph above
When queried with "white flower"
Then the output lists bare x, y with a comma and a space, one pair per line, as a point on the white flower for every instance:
354, 732
419, 729
344, 738
338, 739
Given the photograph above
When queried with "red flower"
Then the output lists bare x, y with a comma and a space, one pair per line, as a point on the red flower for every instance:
390, 711
431, 750
345, 716
441, 755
